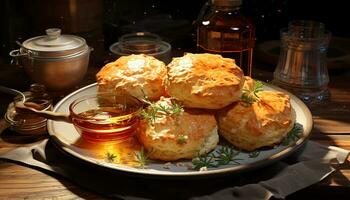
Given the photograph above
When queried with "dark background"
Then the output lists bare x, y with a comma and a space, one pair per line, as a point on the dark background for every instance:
102, 22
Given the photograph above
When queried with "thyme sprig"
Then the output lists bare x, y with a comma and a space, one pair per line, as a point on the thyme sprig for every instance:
227, 155
149, 114
293, 135
156, 110
223, 156
251, 96
141, 158
110, 157
203, 161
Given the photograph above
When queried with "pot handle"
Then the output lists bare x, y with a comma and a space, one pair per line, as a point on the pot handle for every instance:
15, 54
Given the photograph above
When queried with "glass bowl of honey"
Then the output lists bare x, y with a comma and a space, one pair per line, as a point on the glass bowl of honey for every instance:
104, 117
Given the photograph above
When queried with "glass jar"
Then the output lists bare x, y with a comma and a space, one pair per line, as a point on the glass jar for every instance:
224, 29
28, 123
302, 66
142, 43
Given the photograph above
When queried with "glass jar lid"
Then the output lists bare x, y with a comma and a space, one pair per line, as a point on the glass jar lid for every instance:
142, 43
53, 44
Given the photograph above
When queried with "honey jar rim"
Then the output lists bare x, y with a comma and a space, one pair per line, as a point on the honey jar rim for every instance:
81, 99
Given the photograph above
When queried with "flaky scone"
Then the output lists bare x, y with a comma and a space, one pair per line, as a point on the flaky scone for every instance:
138, 75
249, 83
263, 123
204, 80
175, 134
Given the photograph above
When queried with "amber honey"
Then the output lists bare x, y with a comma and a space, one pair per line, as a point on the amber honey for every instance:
106, 118
96, 124
225, 30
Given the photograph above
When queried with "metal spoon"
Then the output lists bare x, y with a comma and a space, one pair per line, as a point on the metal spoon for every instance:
25, 107
30, 107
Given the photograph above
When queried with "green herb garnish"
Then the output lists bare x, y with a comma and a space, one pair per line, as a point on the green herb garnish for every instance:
141, 157
203, 161
225, 155
251, 96
293, 135
182, 139
155, 110
110, 157
176, 108
149, 114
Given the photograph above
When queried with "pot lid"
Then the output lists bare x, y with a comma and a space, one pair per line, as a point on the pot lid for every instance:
53, 41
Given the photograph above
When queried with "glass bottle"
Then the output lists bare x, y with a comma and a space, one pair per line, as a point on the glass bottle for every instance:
225, 30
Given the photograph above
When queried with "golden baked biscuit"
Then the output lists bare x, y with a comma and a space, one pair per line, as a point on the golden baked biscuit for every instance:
249, 83
183, 134
263, 123
204, 80
138, 75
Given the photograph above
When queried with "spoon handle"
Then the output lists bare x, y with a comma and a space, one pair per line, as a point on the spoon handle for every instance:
44, 113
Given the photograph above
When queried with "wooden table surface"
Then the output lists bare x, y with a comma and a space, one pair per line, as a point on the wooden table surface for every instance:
331, 127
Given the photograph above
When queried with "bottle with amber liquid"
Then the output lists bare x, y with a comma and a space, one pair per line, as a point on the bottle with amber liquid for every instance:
223, 29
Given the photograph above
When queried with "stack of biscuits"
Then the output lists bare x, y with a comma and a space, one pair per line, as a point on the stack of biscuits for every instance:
195, 99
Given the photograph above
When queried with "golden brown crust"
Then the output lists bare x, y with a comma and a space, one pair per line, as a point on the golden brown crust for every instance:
138, 75
249, 83
173, 137
264, 123
204, 81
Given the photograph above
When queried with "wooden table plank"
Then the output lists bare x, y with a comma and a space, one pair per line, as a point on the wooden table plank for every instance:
18, 182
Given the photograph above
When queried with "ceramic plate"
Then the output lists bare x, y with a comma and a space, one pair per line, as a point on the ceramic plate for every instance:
67, 138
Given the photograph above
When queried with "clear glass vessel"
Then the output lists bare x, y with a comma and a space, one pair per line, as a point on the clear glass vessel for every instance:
302, 67
142, 43
106, 117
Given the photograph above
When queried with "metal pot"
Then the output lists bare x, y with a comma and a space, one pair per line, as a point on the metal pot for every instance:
58, 61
